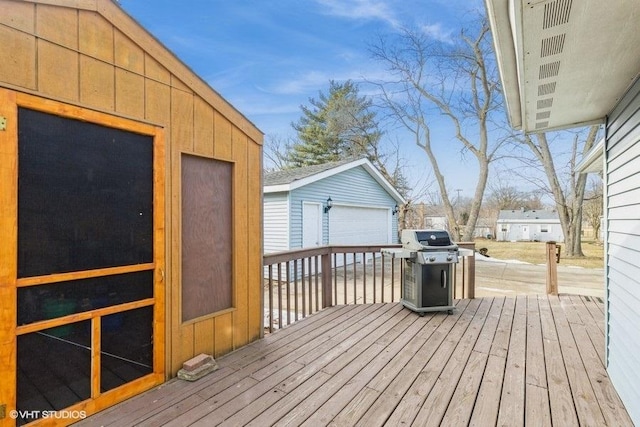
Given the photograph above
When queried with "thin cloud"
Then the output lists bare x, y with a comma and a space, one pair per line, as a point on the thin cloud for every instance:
313, 81
360, 10
304, 83
438, 32
266, 106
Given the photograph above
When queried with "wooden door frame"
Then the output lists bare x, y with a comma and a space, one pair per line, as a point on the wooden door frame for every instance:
10, 101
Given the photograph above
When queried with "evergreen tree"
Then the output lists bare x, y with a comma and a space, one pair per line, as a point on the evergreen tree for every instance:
335, 126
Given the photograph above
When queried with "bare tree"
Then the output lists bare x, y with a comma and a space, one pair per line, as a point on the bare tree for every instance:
568, 202
593, 206
433, 79
502, 195
275, 152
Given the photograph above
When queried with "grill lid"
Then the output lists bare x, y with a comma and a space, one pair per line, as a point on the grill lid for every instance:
426, 239
433, 238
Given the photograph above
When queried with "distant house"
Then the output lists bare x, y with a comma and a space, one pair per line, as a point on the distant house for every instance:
347, 203
528, 225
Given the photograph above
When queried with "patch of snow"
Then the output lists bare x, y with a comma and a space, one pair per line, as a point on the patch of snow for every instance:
480, 257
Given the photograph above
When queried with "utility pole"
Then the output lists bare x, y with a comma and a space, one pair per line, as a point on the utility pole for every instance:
458, 191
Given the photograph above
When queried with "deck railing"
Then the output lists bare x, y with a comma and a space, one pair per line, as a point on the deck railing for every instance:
301, 282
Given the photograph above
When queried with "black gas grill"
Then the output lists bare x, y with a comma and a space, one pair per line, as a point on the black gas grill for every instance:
429, 261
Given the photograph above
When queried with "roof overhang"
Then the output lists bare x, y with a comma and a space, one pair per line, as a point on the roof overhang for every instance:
564, 63
593, 161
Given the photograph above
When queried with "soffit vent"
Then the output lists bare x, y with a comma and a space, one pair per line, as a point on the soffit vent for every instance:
552, 45
545, 103
556, 13
542, 125
546, 89
543, 115
549, 70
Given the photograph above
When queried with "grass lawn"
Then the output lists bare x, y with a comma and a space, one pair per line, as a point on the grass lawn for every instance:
534, 252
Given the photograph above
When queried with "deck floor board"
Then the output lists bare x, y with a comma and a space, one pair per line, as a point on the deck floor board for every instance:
533, 360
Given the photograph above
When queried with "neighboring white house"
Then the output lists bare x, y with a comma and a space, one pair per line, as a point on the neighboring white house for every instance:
528, 225
347, 202
570, 63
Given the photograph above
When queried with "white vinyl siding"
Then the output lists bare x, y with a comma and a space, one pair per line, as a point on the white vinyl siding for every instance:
622, 243
276, 222
354, 187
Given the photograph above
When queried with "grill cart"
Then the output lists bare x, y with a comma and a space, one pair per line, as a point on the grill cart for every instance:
429, 259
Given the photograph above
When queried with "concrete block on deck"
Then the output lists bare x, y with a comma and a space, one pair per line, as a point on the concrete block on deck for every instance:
197, 367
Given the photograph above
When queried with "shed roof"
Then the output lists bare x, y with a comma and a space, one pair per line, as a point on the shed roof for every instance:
290, 179
125, 23
288, 176
524, 215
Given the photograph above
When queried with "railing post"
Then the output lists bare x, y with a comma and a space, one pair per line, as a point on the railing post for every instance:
327, 290
469, 276
552, 268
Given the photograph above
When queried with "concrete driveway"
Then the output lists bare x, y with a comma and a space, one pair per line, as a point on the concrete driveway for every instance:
497, 277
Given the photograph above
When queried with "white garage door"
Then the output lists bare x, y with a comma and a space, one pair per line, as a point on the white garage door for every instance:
353, 225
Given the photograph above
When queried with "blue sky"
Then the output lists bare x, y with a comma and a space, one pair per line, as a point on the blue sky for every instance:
268, 57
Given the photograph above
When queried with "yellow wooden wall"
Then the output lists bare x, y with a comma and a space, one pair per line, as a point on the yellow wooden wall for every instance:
89, 53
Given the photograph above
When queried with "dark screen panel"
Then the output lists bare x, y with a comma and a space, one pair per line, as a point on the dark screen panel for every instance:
85, 195
54, 369
76, 296
206, 236
126, 347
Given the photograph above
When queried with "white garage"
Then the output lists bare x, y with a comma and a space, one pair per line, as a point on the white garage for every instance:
338, 203
359, 225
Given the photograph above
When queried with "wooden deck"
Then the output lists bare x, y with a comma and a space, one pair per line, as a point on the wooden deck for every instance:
531, 360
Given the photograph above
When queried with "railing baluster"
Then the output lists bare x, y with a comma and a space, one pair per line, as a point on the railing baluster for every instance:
334, 262
374, 277
295, 287
327, 290
315, 260
279, 295
310, 286
462, 275
393, 279
355, 285
402, 267
364, 277
344, 275
304, 299
270, 316
288, 275
384, 261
